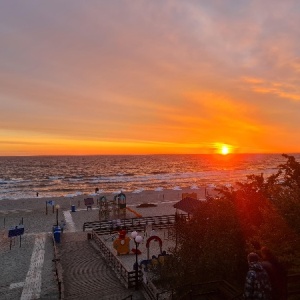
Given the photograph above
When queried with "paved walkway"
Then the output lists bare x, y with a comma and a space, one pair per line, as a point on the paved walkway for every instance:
85, 273
27, 272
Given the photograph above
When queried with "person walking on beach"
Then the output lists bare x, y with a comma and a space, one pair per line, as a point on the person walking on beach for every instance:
276, 273
257, 284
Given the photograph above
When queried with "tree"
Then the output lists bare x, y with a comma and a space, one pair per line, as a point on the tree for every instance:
215, 242
210, 244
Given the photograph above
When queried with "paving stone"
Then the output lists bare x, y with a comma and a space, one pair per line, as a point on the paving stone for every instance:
85, 273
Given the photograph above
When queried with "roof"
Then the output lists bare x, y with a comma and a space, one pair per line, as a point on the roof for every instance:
188, 205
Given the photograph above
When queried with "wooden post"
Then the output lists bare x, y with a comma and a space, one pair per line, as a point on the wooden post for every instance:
57, 217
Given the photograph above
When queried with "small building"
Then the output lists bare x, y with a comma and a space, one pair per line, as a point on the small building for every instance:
188, 205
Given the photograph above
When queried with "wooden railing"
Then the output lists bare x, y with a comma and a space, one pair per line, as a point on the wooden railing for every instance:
126, 277
157, 222
58, 270
154, 293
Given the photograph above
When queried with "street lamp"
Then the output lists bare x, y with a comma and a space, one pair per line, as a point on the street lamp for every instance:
137, 240
57, 208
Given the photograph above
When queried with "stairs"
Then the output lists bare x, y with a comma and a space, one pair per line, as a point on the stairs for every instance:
85, 273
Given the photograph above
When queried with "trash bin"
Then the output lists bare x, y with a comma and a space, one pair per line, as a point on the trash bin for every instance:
55, 227
73, 208
57, 234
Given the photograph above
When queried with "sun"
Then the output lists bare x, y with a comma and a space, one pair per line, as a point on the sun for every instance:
224, 150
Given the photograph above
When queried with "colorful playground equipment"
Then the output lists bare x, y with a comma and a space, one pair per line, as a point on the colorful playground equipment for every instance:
114, 209
121, 244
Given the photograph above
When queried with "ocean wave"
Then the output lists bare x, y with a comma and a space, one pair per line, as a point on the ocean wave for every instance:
74, 179
82, 174
55, 177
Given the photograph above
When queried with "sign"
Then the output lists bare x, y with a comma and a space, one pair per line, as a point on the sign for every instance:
88, 201
16, 231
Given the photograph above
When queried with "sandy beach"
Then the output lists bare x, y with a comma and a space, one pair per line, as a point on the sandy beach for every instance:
33, 254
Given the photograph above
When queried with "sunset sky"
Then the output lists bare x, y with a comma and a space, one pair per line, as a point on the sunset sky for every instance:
143, 77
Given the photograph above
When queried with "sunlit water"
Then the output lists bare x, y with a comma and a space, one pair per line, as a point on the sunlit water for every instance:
22, 177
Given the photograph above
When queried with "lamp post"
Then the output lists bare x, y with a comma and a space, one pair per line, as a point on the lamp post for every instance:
57, 208
137, 240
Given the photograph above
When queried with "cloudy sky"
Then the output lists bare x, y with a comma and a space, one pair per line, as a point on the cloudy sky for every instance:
138, 77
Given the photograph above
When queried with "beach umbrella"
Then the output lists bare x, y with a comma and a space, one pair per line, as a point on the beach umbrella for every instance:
100, 191
228, 185
177, 188
69, 195
116, 192
93, 194
211, 185
194, 187
159, 189
137, 191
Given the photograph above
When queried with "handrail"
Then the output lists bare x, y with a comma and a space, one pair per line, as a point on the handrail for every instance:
127, 277
58, 271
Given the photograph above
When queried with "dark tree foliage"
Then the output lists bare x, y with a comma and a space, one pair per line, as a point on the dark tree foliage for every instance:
258, 212
290, 172
210, 245
287, 199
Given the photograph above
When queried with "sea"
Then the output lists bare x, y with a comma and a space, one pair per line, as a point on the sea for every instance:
51, 176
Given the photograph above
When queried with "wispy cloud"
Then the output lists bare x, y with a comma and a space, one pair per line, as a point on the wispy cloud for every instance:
187, 73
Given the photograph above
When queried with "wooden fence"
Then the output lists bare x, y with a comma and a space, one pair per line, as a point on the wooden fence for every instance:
126, 277
58, 271
113, 226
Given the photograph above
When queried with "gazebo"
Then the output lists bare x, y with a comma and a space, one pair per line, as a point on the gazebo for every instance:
188, 205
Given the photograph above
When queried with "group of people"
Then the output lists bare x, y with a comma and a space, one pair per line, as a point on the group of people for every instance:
266, 277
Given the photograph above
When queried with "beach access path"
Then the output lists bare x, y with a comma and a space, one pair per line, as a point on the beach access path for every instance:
27, 269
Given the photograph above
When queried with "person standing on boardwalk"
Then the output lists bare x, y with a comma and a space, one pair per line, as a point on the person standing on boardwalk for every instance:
257, 284
276, 273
